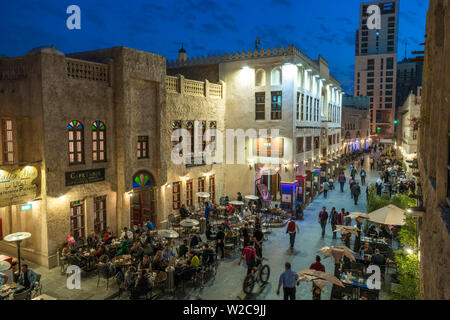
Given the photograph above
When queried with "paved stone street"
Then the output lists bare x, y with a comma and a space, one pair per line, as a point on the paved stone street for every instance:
230, 276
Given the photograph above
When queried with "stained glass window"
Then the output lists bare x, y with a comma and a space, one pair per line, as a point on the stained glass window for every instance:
76, 142
98, 141
141, 179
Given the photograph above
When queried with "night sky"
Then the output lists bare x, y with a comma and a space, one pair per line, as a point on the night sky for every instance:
204, 26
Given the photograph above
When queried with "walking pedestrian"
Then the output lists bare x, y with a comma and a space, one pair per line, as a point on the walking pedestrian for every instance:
325, 188
333, 220
363, 176
323, 217
341, 216
356, 191
372, 164
292, 229
342, 180
288, 279
258, 238
353, 173
348, 220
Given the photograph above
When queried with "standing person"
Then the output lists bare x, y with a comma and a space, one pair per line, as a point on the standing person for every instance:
207, 210
184, 213
372, 164
333, 220
356, 191
363, 177
341, 216
292, 229
348, 220
258, 238
353, 173
317, 265
342, 180
220, 237
323, 217
288, 279
325, 188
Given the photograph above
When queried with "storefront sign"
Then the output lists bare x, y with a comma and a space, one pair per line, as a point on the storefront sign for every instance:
16, 186
86, 176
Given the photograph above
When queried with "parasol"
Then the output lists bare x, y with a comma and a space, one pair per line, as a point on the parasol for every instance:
347, 229
314, 275
251, 197
337, 252
202, 194
355, 215
237, 203
189, 223
390, 215
170, 234
4, 265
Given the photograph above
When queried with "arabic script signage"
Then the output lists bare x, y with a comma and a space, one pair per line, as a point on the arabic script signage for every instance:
16, 186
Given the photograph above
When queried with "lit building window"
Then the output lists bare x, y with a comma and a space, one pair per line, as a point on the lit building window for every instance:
76, 142
276, 109
176, 195
98, 141
8, 141
77, 219
212, 188
142, 147
189, 193
260, 99
270, 147
100, 215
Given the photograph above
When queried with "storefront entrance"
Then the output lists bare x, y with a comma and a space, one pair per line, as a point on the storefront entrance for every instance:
143, 199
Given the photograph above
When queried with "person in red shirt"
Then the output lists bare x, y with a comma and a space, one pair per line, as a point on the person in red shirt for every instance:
249, 254
292, 229
230, 209
317, 265
341, 215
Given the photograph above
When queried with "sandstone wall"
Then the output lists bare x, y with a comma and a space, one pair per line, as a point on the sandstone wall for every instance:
433, 154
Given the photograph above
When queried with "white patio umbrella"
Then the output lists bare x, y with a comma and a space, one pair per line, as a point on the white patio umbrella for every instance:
389, 215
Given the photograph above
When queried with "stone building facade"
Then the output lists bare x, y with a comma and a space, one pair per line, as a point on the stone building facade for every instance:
408, 127
280, 89
433, 154
92, 130
355, 123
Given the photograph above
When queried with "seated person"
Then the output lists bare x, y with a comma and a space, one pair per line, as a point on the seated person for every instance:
366, 249
168, 252
136, 231
207, 255
183, 249
150, 226
372, 232
193, 260
158, 262
143, 285
126, 233
184, 213
158, 247
28, 277
92, 240
245, 233
65, 251
145, 263
147, 248
109, 236
247, 213
3, 279
226, 225
99, 250
230, 209
130, 278
195, 241
378, 259
124, 247
209, 234
136, 250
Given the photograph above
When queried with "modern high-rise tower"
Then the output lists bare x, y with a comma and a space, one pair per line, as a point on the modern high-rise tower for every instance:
376, 63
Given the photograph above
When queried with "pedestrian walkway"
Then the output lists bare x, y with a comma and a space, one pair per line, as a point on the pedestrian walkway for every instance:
230, 276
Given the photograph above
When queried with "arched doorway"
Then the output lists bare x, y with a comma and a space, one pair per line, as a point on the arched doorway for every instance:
143, 198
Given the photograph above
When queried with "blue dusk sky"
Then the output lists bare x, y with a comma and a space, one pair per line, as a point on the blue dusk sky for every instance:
325, 27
